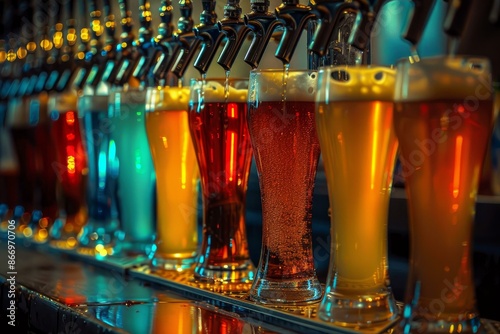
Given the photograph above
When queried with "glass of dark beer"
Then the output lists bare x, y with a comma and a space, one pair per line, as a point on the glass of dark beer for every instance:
283, 131
354, 120
218, 125
443, 120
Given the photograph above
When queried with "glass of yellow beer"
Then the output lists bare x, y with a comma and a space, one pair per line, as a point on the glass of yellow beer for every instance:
443, 120
177, 177
354, 115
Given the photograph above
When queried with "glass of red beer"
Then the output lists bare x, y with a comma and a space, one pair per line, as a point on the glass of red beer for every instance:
283, 132
218, 126
70, 167
443, 120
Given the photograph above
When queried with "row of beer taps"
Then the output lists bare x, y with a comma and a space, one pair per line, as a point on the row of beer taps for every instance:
51, 58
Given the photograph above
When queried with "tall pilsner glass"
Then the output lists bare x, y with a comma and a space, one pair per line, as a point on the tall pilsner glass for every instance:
136, 178
218, 124
70, 167
443, 120
354, 118
176, 177
98, 235
283, 131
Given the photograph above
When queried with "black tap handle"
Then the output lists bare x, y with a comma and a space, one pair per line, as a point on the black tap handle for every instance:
456, 17
328, 13
294, 17
164, 42
185, 23
361, 31
166, 27
495, 12
262, 23
233, 26
127, 35
418, 20
209, 34
186, 40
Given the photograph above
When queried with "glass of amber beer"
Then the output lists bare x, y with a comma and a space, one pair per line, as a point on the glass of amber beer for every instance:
136, 178
218, 125
283, 132
177, 177
443, 120
354, 114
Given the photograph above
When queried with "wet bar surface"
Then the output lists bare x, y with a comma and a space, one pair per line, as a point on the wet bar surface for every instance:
68, 293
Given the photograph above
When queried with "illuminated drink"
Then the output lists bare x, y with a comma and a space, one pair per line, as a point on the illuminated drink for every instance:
136, 178
28, 121
70, 167
443, 120
97, 237
283, 132
176, 177
218, 124
354, 115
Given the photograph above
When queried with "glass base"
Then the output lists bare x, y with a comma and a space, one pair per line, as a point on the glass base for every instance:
177, 264
243, 273
290, 292
424, 325
97, 238
358, 310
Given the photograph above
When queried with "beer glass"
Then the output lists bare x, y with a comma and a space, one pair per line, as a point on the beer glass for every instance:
283, 133
136, 177
218, 125
70, 167
443, 120
354, 114
177, 177
30, 131
97, 236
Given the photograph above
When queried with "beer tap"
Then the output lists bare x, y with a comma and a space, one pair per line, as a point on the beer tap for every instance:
130, 55
28, 79
495, 12
17, 58
164, 44
418, 20
361, 31
110, 68
81, 62
185, 38
456, 16
68, 68
209, 34
233, 26
145, 43
335, 20
94, 55
55, 49
294, 17
263, 23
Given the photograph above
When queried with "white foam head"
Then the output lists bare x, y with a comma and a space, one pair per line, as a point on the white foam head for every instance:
359, 83
167, 98
441, 78
215, 91
270, 85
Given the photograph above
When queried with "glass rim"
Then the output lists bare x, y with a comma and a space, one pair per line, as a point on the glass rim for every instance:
217, 79
348, 67
424, 60
281, 70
